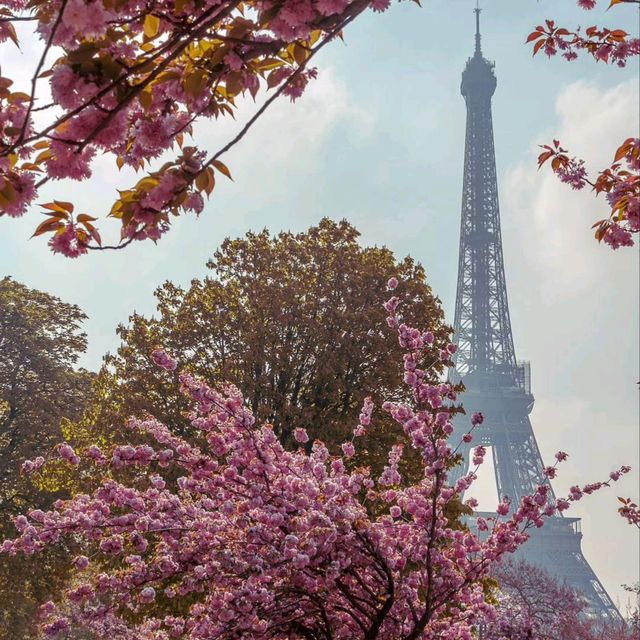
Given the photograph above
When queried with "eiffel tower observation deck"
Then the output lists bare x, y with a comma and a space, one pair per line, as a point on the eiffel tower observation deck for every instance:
496, 383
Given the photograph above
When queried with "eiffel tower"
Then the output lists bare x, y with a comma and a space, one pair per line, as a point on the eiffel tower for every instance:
496, 383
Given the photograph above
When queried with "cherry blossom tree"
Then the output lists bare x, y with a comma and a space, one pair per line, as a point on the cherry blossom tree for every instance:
239, 538
620, 181
633, 608
532, 604
127, 79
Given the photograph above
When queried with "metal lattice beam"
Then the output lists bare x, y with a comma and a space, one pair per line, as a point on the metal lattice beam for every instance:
496, 383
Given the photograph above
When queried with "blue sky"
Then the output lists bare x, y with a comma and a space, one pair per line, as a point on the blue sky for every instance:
378, 139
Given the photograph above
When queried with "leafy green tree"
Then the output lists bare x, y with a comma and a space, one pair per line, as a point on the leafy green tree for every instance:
295, 320
40, 341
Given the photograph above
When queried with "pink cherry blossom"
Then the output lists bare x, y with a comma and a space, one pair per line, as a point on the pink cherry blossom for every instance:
616, 237
348, 449
251, 540
573, 173
163, 360
477, 419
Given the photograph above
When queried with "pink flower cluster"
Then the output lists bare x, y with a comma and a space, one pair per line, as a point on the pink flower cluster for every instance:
573, 173
630, 511
67, 241
29, 466
364, 420
163, 360
129, 82
607, 45
617, 236
22, 185
620, 183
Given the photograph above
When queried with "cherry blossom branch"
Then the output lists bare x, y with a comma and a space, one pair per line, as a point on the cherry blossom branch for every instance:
630, 511
619, 184
291, 80
34, 79
156, 70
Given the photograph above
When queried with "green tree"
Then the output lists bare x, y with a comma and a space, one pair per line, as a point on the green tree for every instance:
40, 341
294, 320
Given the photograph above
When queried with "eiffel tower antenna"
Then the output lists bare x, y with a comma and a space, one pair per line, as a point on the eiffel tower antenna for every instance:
496, 383
477, 11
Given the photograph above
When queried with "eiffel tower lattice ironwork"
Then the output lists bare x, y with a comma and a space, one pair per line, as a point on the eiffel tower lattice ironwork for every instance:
495, 382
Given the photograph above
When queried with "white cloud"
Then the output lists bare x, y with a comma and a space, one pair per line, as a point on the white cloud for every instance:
288, 140
574, 308
550, 219
289, 137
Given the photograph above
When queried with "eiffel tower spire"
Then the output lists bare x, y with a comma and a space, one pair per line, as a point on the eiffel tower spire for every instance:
482, 323
477, 11
496, 383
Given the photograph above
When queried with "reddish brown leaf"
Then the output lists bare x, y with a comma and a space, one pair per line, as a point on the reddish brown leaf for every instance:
53, 206
50, 224
222, 168
83, 217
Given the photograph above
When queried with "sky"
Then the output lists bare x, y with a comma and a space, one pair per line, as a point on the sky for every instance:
378, 139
